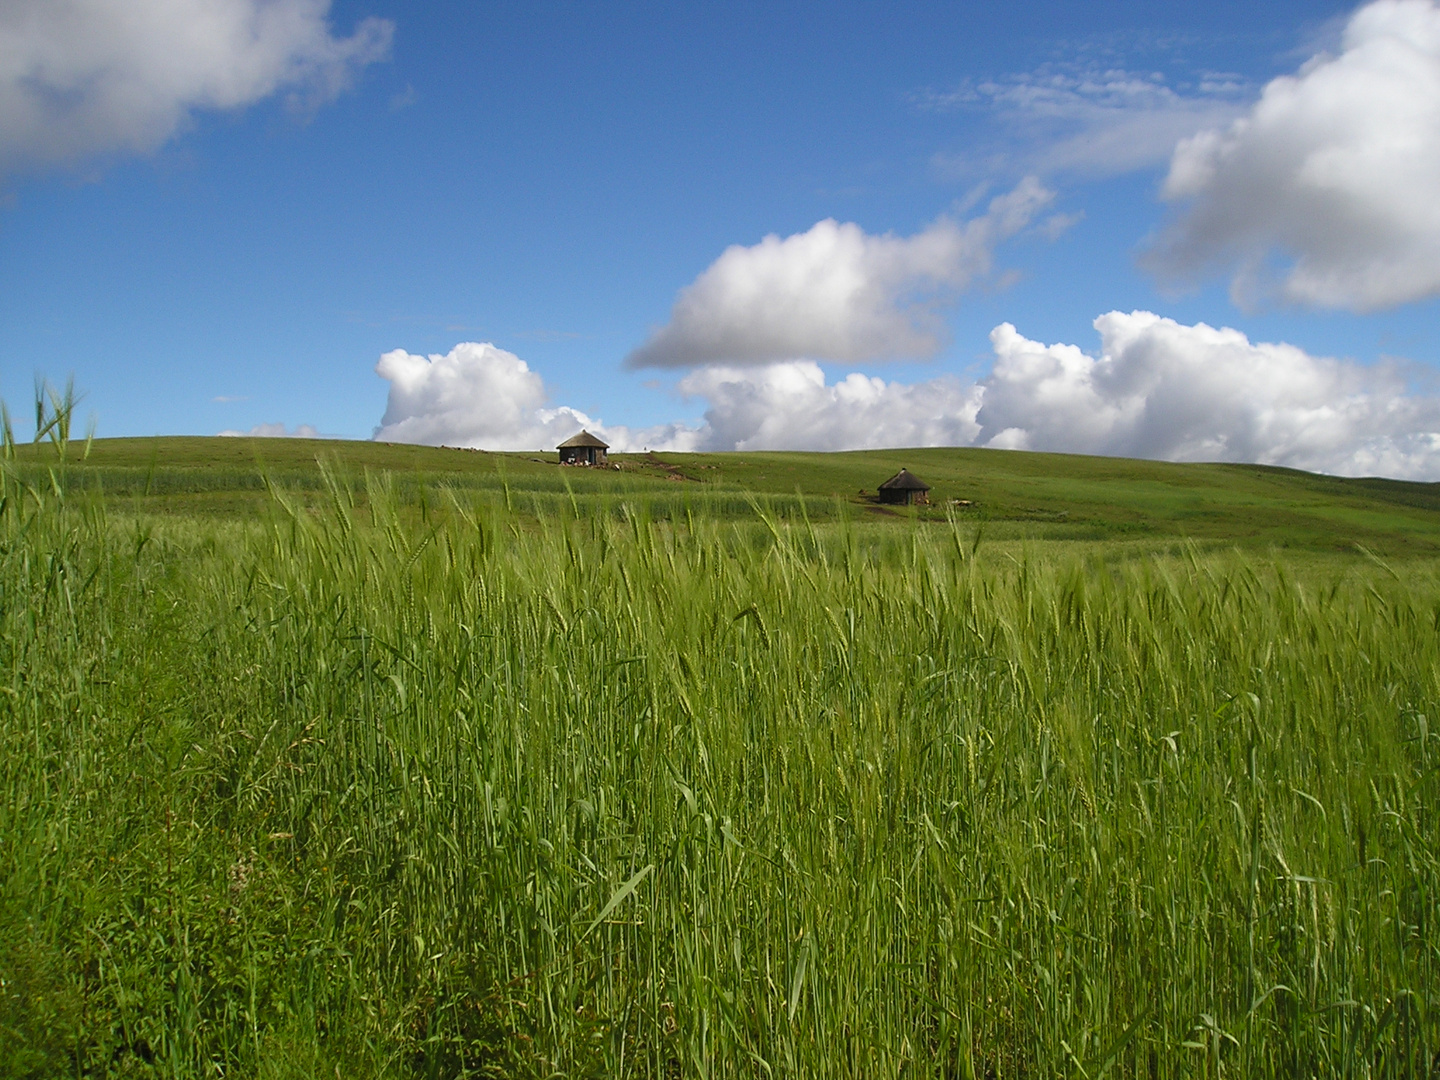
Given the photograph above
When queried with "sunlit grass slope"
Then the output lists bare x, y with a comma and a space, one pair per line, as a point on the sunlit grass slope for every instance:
351, 790
1014, 494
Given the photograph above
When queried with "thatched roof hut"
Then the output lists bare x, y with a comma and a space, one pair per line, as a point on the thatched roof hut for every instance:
583, 449
904, 487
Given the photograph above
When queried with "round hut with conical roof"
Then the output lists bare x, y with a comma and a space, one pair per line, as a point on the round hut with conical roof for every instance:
904, 488
583, 449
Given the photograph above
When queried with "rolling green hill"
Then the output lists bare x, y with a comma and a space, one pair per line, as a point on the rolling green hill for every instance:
453, 764
1012, 494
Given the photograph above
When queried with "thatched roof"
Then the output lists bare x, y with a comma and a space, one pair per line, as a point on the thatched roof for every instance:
904, 480
583, 439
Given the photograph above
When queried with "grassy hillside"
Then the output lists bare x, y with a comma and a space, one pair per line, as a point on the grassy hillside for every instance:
1042, 496
347, 793
440, 764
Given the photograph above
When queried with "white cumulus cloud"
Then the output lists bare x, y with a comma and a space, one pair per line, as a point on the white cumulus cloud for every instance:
1161, 389
1332, 175
85, 77
474, 395
790, 406
834, 292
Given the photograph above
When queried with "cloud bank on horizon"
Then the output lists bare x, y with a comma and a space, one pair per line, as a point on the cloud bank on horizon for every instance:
1324, 192
275, 431
1157, 389
80, 78
1160, 389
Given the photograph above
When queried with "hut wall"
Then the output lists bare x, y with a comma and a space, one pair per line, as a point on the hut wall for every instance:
582, 455
903, 496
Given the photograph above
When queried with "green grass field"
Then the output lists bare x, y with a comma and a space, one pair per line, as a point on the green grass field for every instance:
476, 766
1013, 494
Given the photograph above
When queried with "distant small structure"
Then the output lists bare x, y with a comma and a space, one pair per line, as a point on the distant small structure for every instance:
904, 488
583, 449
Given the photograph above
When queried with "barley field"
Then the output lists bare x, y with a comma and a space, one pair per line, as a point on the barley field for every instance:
358, 787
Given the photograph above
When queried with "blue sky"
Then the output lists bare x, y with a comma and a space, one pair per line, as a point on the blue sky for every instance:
548, 178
